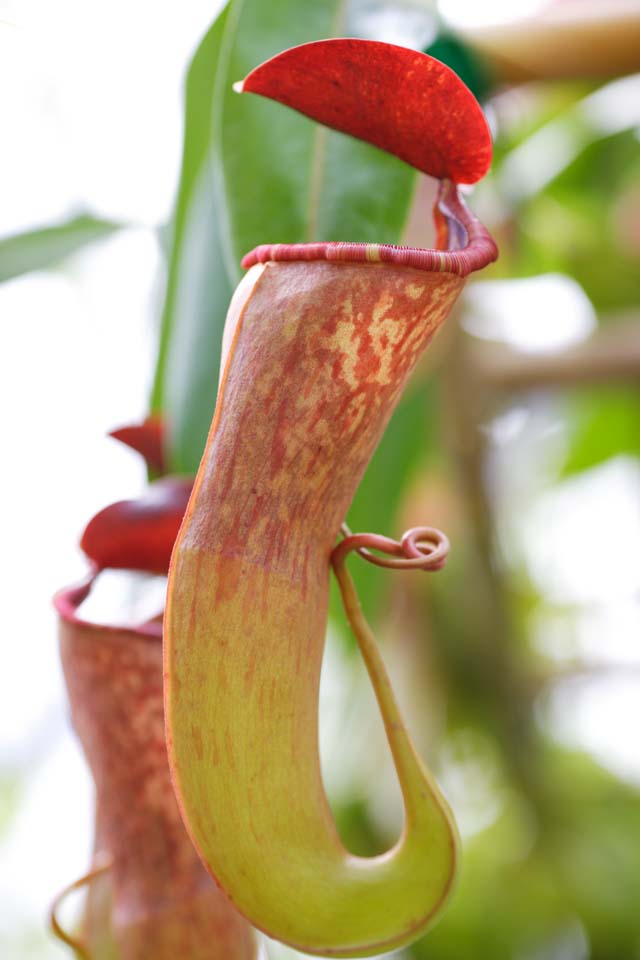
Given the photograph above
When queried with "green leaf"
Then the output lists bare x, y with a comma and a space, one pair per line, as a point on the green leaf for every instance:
198, 290
194, 331
46, 247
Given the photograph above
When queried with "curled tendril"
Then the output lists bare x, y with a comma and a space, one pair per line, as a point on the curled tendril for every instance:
101, 865
421, 548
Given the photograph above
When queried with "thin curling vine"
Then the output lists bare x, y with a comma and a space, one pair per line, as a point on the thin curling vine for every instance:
319, 342
101, 866
422, 548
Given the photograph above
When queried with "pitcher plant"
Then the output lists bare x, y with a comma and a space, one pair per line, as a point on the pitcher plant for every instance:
319, 342
148, 893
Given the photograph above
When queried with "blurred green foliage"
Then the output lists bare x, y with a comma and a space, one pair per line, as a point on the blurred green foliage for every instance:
47, 247
604, 422
198, 287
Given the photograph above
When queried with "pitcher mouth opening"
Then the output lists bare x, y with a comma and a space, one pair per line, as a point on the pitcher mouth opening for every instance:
68, 604
466, 245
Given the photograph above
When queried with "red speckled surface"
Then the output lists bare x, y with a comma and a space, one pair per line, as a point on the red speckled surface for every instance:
306, 400
165, 906
400, 100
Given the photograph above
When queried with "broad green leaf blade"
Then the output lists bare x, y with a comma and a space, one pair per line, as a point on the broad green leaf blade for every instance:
378, 200
46, 247
198, 291
194, 337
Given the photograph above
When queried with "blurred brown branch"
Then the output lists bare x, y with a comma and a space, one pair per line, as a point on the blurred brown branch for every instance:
570, 40
610, 355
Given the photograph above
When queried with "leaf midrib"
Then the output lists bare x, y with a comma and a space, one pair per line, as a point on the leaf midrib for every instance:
319, 150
